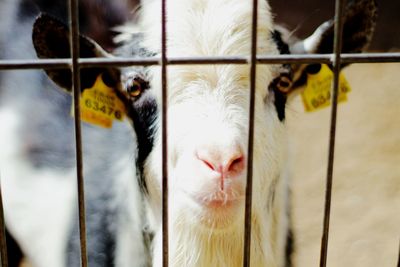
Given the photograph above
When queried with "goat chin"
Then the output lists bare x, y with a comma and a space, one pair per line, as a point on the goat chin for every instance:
214, 237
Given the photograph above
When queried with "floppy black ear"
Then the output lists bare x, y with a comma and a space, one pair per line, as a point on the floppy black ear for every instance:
51, 40
359, 23
359, 20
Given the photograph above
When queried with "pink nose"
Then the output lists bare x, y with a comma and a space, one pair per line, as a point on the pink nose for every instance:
229, 162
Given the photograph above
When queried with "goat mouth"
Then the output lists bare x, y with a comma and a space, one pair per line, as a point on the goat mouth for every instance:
221, 200
219, 211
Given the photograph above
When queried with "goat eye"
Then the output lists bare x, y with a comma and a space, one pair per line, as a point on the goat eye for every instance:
134, 88
284, 84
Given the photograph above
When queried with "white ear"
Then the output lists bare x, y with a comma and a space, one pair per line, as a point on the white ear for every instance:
310, 44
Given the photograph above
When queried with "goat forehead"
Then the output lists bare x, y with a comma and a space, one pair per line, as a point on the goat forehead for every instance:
212, 84
207, 27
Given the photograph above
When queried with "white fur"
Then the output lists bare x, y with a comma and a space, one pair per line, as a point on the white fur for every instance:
208, 109
129, 248
39, 225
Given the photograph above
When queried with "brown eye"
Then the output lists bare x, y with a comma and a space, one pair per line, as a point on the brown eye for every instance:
284, 84
134, 88
136, 85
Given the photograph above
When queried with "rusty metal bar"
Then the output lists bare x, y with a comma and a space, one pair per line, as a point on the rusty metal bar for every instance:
337, 47
165, 254
125, 62
3, 241
250, 143
74, 37
35, 64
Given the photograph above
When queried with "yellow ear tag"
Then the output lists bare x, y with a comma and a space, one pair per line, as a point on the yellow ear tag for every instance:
317, 94
100, 105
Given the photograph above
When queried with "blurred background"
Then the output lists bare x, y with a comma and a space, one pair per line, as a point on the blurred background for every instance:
365, 212
365, 217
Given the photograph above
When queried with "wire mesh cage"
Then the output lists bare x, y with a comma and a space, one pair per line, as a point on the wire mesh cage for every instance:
336, 59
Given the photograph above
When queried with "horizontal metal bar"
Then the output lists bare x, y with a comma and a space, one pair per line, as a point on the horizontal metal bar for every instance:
118, 62
14, 64
115, 62
276, 59
63, 63
370, 58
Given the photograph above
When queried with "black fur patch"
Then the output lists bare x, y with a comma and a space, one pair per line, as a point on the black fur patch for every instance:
280, 97
280, 44
143, 113
289, 248
359, 24
143, 109
14, 252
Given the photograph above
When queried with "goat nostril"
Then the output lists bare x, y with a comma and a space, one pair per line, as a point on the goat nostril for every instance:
236, 165
204, 159
209, 165
225, 165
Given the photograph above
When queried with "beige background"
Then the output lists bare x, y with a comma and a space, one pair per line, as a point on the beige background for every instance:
365, 217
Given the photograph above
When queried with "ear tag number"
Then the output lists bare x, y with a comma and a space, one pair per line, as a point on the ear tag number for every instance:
100, 105
317, 94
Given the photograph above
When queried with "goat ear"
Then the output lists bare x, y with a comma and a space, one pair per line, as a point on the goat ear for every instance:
359, 24
51, 40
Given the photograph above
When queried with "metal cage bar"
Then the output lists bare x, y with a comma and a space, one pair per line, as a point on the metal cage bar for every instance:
123, 62
165, 254
76, 85
250, 142
337, 47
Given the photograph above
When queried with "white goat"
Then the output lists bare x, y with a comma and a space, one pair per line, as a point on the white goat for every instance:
208, 114
208, 110
207, 135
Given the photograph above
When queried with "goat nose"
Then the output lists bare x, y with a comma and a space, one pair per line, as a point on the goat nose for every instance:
227, 162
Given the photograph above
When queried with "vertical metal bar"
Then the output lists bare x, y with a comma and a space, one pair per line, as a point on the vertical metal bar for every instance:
335, 85
249, 184
3, 241
164, 139
74, 37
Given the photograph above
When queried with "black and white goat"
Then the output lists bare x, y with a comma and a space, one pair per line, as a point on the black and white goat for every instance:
37, 153
208, 118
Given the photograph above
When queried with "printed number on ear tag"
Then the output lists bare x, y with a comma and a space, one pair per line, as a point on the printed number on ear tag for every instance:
317, 94
100, 105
